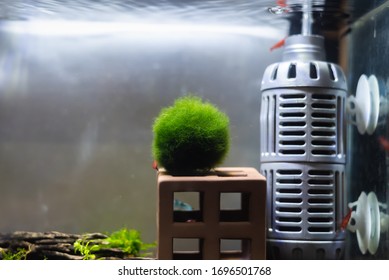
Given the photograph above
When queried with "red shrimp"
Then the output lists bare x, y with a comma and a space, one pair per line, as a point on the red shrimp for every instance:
279, 44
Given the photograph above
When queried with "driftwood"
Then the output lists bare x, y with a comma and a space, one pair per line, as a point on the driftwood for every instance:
53, 246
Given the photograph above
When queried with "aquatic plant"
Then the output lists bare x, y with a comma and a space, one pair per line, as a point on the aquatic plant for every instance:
86, 249
20, 254
128, 241
191, 135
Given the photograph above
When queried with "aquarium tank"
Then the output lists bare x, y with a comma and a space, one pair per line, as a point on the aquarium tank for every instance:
81, 83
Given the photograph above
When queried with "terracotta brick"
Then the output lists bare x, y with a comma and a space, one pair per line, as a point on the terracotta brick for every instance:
209, 224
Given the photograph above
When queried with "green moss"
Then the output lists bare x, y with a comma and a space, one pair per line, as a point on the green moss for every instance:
20, 254
192, 135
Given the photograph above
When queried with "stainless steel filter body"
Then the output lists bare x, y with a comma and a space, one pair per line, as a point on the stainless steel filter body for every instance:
303, 152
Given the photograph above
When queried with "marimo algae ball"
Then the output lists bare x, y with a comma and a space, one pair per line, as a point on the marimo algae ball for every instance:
190, 136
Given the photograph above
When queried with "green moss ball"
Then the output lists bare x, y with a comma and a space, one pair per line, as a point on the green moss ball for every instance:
190, 136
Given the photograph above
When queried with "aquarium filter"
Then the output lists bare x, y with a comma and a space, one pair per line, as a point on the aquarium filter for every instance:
303, 152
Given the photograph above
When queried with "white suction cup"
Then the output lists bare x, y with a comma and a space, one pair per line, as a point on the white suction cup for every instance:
366, 221
384, 222
375, 104
384, 218
375, 230
364, 106
360, 222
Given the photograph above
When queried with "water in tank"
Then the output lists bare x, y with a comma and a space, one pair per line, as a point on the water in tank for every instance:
82, 81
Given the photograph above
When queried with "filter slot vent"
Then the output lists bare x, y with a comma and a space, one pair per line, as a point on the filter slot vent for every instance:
274, 74
332, 72
314, 192
322, 105
320, 96
323, 133
292, 71
290, 200
288, 229
292, 124
289, 181
323, 124
292, 133
292, 115
319, 229
328, 143
289, 219
298, 105
320, 220
320, 201
292, 142
289, 191
322, 115
292, 152
289, 172
317, 210
320, 181
323, 152
293, 96
313, 71
313, 172
289, 210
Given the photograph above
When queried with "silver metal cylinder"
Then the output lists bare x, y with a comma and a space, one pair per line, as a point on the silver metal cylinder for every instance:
303, 152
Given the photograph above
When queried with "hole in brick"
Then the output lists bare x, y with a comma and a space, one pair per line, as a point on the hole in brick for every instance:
234, 207
187, 249
187, 207
186, 201
235, 249
230, 201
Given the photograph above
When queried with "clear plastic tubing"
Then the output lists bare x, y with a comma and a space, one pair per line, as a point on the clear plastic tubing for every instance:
307, 18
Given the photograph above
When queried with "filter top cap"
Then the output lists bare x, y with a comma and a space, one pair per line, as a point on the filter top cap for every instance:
304, 48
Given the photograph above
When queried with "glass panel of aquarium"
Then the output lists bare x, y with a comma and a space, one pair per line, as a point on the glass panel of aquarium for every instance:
81, 83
